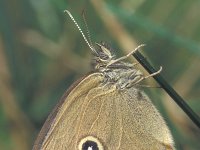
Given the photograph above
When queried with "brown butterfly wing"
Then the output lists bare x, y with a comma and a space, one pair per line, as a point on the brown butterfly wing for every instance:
60, 127
142, 122
124, 120
119, 119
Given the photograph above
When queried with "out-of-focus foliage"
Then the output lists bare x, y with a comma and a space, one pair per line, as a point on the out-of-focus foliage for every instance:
42, 54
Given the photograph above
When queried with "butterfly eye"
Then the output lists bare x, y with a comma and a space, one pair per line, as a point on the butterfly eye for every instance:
90, 143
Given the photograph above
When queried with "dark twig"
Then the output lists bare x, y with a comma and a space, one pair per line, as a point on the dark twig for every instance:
174, 95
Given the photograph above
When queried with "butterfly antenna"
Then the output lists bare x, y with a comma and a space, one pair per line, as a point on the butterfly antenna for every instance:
87, 29
84, 37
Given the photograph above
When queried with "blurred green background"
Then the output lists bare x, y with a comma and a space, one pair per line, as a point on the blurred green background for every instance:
42, 54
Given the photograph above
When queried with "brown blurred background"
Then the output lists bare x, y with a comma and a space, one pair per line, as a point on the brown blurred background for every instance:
42, 54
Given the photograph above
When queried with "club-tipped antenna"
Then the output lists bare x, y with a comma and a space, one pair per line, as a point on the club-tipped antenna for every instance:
84, 37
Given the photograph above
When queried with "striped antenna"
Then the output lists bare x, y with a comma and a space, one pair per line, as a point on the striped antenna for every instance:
84, 37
